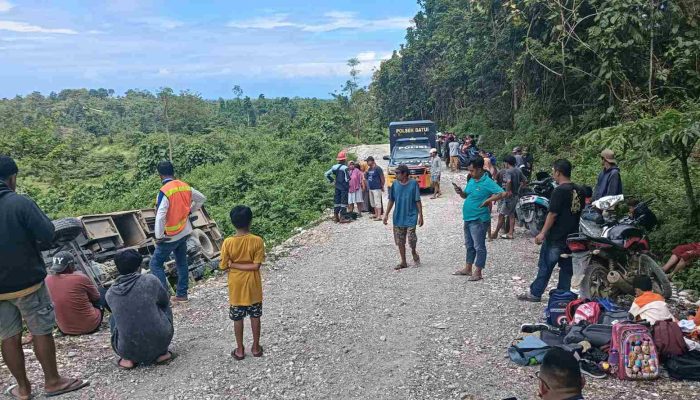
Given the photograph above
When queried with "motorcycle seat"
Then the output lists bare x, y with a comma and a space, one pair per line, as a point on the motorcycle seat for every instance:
600, 239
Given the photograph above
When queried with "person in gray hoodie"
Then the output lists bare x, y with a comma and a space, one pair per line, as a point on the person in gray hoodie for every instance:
141, 321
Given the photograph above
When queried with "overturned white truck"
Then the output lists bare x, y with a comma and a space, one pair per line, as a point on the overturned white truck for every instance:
95, 239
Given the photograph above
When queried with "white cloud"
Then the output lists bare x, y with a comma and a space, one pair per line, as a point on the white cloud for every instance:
6, 6
163, 71
335, 20
369, 62
23, 27
272, 22
160, 23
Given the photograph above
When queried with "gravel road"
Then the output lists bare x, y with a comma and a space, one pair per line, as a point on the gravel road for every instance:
346, 326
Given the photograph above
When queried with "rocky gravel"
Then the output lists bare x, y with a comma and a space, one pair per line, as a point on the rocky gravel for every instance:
344, 325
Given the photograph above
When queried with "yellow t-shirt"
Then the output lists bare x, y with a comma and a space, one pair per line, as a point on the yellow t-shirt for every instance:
244, 287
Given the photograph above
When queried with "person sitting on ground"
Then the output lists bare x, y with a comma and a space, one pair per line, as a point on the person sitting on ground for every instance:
647, 305
560, 376
77, 302
435, 172
681, 257
242, 255
142, 321
404, 193
23, 293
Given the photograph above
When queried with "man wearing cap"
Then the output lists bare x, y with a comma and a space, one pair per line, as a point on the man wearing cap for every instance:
23, 294
141, 321
75, 297
609, 181
435, 172
175, 202
340, 174
375, 182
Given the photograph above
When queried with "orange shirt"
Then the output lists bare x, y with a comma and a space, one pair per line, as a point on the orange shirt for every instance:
244, 287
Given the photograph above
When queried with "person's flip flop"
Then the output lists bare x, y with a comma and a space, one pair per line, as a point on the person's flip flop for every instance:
259, 354
461, 272
236, 356
8, 393
506, 237
474, 278
77, 384
173, 356
117, 363
400, 267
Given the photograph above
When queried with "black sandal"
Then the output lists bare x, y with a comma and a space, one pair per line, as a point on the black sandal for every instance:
236, 356
260, 354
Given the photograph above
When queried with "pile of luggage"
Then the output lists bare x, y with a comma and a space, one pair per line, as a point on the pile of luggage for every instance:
607, 342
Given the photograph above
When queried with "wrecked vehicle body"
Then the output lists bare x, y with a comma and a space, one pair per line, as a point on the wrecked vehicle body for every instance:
95, 239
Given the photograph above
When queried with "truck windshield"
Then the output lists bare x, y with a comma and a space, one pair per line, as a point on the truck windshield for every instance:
411, 150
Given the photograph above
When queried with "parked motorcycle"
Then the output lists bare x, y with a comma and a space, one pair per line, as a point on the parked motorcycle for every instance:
533, 204
609, 253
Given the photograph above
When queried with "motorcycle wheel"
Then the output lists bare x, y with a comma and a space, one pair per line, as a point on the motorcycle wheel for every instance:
659, 280
536, 220
595, 282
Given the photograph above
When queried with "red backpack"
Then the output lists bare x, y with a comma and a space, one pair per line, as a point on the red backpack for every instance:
583, 310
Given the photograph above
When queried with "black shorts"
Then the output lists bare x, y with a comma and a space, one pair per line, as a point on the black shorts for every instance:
237, 313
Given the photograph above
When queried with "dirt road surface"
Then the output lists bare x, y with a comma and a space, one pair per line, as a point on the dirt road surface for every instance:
339, 323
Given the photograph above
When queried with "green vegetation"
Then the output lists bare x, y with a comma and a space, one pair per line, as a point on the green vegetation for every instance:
88, 151
565, 78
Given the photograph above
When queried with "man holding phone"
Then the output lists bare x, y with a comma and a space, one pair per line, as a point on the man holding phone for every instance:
480, 191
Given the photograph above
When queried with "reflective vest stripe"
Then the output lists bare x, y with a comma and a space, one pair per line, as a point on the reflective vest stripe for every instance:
174, 190
179, 195
176, 228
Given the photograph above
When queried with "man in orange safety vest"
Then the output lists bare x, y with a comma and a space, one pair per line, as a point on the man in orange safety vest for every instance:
176, 201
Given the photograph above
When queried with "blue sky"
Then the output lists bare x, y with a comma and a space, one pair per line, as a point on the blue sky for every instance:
279, 48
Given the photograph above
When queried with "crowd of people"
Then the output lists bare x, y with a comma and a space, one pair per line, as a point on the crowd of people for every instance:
139, 305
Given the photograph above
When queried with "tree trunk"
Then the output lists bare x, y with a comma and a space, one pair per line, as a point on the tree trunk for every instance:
689, 191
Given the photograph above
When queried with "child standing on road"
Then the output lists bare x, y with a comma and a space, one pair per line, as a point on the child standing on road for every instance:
242, 255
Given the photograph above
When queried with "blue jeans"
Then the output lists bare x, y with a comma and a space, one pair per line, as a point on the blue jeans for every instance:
475, 241
161, 254
550, 255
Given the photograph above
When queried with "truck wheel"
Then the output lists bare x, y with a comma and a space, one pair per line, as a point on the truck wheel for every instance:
208, 248
66, 229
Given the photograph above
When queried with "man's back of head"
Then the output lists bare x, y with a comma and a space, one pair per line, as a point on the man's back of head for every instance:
560, 376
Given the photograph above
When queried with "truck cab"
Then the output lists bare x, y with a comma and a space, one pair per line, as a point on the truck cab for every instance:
410, 143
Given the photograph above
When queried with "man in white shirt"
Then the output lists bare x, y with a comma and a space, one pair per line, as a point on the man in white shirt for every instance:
176, 201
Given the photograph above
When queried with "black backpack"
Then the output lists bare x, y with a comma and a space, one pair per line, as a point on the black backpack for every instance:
685, 367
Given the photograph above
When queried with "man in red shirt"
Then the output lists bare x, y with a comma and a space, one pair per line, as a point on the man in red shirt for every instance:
75, 297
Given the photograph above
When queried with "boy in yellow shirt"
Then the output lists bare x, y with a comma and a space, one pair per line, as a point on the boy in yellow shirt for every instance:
242, 255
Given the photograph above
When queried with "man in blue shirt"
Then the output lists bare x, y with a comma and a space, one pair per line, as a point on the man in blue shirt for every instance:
480, 191
609, 182
404, 193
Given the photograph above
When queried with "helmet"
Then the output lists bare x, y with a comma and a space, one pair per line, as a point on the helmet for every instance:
341, 156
